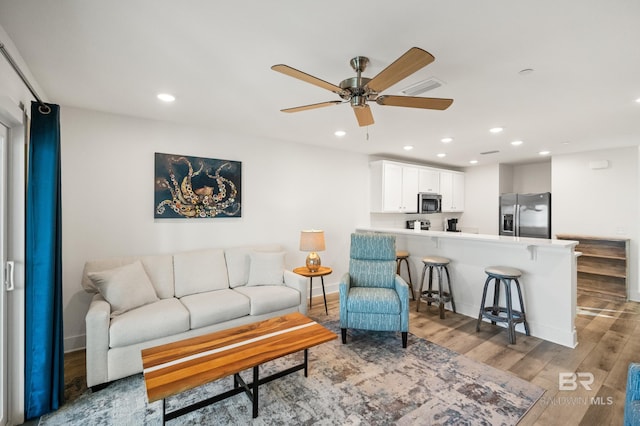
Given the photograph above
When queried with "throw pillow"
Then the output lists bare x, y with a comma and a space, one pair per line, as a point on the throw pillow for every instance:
125, 288
266, 268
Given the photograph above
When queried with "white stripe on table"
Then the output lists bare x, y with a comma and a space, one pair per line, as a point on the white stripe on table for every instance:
224, 348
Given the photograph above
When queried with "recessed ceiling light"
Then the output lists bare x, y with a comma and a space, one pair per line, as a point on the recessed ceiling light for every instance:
544, 152
638, 100
446, 140
473, 162
516, 143
496, 130
166, 97
340, 133
442, 154
408, 147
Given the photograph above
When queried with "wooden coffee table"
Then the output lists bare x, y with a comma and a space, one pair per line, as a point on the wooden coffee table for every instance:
176, 367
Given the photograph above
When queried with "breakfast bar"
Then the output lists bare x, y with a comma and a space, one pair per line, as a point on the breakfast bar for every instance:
548, 268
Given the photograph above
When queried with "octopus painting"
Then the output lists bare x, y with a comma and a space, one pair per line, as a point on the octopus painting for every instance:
194, 187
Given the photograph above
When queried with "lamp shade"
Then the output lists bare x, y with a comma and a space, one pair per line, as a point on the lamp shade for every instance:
312, 240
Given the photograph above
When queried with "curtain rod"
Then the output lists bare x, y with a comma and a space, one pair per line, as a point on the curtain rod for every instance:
44, 108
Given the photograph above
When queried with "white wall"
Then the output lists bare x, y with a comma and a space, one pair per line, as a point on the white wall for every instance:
532, 178
481, 196
601, 202
108, 189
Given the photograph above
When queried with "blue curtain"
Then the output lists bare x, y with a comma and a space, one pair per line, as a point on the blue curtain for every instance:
44, 363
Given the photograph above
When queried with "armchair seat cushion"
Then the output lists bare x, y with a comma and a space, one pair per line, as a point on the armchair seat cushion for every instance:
373, 299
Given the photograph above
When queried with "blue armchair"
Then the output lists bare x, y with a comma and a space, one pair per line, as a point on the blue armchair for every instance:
372, 295
632, 403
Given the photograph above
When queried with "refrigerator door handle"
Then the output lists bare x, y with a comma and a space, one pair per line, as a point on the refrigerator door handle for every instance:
516, 229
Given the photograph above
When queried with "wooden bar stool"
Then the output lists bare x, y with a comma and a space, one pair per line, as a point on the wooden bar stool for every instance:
439, 296
401, 256
497, 313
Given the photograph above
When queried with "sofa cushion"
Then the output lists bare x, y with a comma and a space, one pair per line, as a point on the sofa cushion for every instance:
270, 298
215, 306
238, 262
266, 268
162, 318
199, 271
126, 287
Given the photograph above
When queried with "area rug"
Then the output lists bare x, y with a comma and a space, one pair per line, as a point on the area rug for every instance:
371, 380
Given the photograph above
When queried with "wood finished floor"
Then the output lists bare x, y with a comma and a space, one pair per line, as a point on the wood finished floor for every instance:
608, 333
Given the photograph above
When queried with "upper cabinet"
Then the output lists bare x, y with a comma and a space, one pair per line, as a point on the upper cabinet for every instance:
429, 181
395, 187
452, 191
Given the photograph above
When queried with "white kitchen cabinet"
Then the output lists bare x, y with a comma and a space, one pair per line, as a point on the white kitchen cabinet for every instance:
429, 181
394, 187
452, 191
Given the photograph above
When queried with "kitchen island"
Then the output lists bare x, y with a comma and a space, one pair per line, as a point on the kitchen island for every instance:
548, 274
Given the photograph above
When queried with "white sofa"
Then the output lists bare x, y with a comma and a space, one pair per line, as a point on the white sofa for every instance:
146, 301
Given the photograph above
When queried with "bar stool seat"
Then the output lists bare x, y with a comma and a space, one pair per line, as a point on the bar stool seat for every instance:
439, 296
403, 256
496, 313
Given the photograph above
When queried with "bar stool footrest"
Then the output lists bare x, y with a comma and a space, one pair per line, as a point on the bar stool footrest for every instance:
517, 316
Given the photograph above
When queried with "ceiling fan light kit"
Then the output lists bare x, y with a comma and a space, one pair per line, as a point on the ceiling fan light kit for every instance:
359, 90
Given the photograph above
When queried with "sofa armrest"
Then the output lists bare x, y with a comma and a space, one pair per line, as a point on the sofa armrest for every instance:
97, 323
297, 282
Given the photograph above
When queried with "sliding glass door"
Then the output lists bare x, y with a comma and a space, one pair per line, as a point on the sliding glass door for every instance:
5, 277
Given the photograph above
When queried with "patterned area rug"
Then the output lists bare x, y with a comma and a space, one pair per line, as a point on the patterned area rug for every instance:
371, 380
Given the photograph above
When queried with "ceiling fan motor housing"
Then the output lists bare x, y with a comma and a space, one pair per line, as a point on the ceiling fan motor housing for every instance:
354, 91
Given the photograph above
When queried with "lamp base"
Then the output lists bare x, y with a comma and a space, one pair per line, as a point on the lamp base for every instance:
313, 262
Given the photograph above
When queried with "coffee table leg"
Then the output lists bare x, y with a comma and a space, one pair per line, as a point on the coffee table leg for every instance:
256, 382
163, 411
306, 362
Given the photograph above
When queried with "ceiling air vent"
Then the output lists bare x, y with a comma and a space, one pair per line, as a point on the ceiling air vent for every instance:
422, 86
495, 151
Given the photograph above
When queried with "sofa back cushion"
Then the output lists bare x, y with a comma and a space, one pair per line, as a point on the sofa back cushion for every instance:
125, 287
200, 271
159, 269
239, 262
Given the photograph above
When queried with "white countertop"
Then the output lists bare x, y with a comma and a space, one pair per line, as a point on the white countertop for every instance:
538, 242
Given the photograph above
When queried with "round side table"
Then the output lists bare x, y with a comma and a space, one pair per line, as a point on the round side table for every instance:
321, 272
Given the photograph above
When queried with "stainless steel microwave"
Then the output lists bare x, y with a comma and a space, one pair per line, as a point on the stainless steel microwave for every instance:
429, 202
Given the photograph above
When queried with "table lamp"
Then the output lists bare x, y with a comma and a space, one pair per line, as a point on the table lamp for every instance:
312, 241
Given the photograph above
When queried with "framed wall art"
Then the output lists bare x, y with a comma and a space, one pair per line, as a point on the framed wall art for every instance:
193, 187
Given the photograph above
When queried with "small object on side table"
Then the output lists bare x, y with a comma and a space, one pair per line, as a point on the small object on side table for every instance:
321, 272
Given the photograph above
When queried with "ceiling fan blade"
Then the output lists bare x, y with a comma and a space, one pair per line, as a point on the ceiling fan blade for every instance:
312, 106
414, 102
414, 59
292, 72
364, 116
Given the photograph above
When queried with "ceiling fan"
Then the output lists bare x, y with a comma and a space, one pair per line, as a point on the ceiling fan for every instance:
359, 90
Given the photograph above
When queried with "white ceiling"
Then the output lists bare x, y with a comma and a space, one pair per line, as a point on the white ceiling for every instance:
215, 57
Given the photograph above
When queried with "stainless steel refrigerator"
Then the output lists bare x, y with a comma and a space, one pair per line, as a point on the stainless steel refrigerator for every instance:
526, 215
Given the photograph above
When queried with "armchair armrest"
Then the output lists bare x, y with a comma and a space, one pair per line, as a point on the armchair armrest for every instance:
97, 322
402, 288
632, 403
297, 282
345, 284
